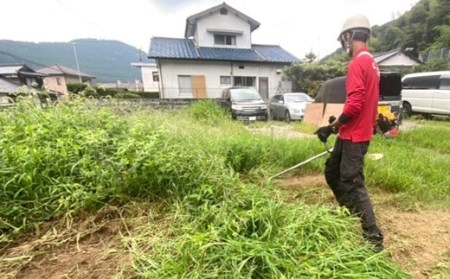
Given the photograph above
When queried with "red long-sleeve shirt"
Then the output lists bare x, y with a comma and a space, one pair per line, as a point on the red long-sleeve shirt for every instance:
362, 86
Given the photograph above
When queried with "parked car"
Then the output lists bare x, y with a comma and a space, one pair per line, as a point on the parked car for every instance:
426, 93
389, 105
289, 106
244, 103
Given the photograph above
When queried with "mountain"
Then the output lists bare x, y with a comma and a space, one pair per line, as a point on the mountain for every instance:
107, 60
425, 27
423, 30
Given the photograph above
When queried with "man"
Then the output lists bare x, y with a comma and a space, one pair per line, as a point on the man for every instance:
344, 170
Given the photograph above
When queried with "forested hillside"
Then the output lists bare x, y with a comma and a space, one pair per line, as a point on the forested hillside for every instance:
426, 27
107, 60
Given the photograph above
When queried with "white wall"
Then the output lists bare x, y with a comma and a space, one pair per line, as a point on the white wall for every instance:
147, 70
228, 22
212, 71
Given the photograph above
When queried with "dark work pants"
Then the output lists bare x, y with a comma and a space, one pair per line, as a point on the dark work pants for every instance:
344, 173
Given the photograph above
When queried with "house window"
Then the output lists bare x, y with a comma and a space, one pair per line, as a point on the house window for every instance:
228, 40
155, 76
225, 80
185, 85
244, 81
58, 81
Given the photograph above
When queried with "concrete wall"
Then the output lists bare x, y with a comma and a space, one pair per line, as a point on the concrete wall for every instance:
147, 70
51, 83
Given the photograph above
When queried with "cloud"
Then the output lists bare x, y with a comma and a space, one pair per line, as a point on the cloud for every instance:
170, 5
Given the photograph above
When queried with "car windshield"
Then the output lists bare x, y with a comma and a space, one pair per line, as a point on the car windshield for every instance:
244, 94
297, 98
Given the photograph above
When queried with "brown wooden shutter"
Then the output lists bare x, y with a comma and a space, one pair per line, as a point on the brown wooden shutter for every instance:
199, 87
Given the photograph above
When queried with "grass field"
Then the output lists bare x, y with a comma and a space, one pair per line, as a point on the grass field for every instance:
185, 194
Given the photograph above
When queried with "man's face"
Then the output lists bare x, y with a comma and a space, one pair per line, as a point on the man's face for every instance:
346, 41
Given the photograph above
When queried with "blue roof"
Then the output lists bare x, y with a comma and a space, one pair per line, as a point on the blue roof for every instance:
185, 49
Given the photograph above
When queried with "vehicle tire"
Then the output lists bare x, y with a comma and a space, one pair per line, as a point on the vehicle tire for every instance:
272, 117
287, 117
407, 110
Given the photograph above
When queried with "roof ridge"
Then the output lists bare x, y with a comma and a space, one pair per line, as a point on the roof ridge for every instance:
260, 55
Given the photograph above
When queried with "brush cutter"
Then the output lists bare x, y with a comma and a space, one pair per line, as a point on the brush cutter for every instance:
304, 162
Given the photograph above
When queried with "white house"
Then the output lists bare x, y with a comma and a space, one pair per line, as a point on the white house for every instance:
395, 60
217, 52
150, 75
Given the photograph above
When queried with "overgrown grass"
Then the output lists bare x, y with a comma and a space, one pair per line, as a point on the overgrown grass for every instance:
252, 235
415, 165
77, 157
54, 161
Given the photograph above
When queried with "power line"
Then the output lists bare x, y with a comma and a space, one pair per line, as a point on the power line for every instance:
22, 59
76, 13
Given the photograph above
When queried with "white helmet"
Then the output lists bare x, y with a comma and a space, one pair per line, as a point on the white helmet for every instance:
357, 21
356, 27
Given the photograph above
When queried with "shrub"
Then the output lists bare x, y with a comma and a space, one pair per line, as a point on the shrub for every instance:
207, 111
126, 95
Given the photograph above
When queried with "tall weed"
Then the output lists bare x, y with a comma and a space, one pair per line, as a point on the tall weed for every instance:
54, 161
253, 236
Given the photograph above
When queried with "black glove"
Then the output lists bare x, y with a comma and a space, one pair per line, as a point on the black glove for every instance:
324, 132
331, 119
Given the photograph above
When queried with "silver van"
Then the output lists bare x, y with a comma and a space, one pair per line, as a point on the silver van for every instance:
426, 93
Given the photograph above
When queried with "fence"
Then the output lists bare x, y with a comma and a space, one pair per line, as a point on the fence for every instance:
208, 93
443, 53
171, 98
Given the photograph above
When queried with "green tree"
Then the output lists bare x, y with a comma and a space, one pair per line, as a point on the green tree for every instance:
310, 57
443, 39
308, 77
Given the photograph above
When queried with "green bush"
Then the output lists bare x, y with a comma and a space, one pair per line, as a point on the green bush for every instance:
126, 95
207, 111
76, 87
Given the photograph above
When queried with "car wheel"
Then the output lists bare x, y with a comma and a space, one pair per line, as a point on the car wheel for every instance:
287, 117
407, 110
272, 117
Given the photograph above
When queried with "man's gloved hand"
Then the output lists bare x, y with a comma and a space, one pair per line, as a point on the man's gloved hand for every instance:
324, 132
331, 119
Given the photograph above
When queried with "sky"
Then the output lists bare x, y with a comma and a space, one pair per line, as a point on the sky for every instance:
298, 26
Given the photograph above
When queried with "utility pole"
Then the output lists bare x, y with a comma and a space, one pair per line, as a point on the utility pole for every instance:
76, 60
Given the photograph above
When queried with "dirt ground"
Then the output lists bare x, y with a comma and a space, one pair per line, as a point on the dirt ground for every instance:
417, 240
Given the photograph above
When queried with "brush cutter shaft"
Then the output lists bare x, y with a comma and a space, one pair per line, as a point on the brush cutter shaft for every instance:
302, 163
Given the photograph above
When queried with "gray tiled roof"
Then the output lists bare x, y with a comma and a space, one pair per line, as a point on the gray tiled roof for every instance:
185, 49
382, 56
10, 69
62, 70
7, 86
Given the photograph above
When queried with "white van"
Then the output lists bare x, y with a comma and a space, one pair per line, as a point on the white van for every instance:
426, 93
